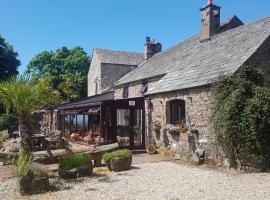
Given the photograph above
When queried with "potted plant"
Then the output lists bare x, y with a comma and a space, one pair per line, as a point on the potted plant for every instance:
118, 160
151, 147
32, 180
75, 165
99, 140
173, 130
182, 127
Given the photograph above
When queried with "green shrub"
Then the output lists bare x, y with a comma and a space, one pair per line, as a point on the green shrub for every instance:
107, 157
5, 121
4, 135
74, 161
241, 113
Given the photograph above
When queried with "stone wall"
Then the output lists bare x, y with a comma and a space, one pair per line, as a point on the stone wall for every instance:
198, 112
94, 75
197, 103
134, 89
110, 73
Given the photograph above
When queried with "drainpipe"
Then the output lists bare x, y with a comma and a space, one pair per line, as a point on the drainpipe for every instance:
149, 116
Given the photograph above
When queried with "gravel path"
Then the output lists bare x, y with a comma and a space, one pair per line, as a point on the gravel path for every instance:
159, 181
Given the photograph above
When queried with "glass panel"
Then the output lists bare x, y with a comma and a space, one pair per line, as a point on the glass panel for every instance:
93, 124
123, 128
73, 123
137, 128
80, 123
86, 123
177, 111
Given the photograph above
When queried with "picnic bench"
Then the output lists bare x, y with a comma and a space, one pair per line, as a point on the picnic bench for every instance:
51, 141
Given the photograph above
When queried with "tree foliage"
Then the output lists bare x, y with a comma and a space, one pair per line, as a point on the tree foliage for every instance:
9, 62
23, 97
241, 117
67, 67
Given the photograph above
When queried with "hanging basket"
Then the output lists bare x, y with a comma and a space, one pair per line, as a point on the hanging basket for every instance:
183, 130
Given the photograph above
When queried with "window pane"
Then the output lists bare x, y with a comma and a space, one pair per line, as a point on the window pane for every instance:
123, 116
177, 111
123, 129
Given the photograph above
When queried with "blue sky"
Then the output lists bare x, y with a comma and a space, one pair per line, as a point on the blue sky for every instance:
33, 26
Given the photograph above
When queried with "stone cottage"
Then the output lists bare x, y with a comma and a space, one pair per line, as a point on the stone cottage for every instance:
130, 92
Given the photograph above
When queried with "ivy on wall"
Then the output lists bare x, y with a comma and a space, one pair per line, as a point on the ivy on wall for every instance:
241, 117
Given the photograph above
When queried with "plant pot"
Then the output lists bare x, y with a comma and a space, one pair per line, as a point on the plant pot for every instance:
151, 149
183, 130
120, 164
29, 185
81, 171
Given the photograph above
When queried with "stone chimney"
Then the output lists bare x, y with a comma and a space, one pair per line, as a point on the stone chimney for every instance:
151, 48
210, 20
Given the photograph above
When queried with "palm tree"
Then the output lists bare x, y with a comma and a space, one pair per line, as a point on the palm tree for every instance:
21, 97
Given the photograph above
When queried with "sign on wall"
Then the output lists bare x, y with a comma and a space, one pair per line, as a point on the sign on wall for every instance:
131, 103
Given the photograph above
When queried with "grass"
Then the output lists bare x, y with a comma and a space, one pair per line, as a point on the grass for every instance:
4, 135
74, 161
107, 157
24, 165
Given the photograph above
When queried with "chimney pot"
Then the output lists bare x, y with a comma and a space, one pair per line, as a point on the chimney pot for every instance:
151, 48
210, 18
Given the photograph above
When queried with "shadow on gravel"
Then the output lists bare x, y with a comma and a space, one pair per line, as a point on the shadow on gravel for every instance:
107, 179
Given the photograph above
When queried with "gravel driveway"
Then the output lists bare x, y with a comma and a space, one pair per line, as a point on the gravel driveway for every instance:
159, 181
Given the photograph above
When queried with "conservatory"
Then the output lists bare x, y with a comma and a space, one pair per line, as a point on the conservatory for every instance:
102, 120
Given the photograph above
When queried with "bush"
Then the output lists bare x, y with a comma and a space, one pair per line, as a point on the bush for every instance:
107, 157
5, 121
241, 114
4, 135
74, 161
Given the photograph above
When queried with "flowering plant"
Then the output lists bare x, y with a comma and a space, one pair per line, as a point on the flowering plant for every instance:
182, 127
174, 130
99, 140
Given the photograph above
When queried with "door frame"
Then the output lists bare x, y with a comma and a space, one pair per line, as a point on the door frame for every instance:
124, 104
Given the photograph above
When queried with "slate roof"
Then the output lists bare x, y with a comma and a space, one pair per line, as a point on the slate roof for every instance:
230, 23
192, 63
89, 100
119, 57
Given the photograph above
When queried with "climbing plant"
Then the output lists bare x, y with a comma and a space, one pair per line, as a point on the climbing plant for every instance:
241, 117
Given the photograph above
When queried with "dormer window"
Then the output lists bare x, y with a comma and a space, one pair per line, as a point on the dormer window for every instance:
125, 91
144, 88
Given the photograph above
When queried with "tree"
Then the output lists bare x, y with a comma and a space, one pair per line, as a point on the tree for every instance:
67, 67
8, 60
22, 97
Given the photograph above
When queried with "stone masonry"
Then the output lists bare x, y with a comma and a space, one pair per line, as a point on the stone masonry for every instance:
94, 75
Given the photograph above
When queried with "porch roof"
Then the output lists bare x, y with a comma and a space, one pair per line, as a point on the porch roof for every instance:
89, 101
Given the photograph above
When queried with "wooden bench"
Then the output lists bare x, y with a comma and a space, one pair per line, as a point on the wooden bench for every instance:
95, 153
